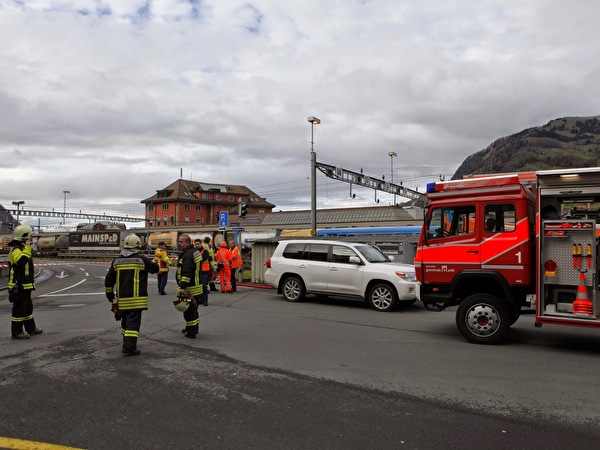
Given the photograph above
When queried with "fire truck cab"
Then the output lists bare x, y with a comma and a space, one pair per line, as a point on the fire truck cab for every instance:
493, 245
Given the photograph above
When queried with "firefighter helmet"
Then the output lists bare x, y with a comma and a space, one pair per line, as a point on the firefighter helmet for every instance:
22, 233
132, 241
181, 304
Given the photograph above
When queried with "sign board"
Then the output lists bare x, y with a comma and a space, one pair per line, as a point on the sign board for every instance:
95, 240
238, 229
223, 218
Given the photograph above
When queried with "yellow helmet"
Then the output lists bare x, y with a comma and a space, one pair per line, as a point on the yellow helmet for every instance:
22, 233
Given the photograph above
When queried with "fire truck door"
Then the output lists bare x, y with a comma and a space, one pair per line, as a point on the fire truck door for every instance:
452, 244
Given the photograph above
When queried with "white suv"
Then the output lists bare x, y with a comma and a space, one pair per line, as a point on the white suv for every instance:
307, 266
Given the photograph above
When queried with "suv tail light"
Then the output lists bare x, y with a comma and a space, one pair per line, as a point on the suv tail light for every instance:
268, 263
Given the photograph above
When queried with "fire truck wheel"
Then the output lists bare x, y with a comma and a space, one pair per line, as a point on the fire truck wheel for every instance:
483, 319
293, 289
382, 297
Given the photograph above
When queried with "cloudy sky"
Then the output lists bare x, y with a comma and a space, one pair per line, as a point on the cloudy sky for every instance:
114, 99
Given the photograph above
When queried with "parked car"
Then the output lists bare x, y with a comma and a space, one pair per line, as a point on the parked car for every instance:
307, 266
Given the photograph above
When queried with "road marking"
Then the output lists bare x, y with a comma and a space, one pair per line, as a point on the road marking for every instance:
31, 445
62, 274
75, 305
50, 294
70, 295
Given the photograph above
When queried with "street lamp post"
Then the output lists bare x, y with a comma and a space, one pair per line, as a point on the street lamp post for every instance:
18, 204
313, 176
392, 155
65, 206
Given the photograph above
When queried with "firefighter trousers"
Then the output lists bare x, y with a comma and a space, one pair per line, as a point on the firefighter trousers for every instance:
205, 289
131, 321
192, 318
22, 313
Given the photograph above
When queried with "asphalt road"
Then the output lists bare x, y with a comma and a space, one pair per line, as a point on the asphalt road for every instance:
265, 373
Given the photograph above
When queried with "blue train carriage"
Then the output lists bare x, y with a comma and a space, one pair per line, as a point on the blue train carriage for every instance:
399, 242
409, 230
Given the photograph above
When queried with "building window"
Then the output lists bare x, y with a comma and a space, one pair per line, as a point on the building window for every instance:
151, 207
198, 207
197, 219
165, 206
165, 219
186, 219
217, 196
186, 206
204, 195
172, 220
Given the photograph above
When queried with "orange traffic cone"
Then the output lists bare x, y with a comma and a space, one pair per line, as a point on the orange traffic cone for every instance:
582, 305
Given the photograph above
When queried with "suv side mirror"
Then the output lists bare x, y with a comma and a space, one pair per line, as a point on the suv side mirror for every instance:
354, 260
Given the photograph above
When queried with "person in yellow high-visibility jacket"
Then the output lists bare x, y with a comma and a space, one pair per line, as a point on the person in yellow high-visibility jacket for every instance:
161, 257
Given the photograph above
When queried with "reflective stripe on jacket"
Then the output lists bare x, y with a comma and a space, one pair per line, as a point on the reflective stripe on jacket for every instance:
20, 267
189, 269
211, 256
128, 275
237, 258
224, 256
161, 257
206, 262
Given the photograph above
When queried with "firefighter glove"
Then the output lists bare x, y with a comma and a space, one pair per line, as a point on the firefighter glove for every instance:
115, 309
110, 296
13, 295
183, 294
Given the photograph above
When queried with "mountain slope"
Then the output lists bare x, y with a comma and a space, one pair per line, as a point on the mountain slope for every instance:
567, 142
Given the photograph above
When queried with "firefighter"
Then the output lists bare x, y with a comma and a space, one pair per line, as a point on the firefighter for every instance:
129, 272
236, 262
224, 258
213, 263
21, 283
189, 279
205, 270
161, 257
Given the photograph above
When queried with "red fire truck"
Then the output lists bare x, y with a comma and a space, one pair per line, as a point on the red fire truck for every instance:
495, 245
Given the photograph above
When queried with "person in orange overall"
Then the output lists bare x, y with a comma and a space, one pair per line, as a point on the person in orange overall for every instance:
224, 258
235, 263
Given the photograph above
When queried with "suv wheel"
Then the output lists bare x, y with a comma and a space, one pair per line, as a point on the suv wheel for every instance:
382, 297
293, 289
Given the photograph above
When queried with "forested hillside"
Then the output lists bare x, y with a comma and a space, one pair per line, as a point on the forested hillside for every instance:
568, 142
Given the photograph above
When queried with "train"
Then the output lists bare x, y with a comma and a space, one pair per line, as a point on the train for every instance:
110, 241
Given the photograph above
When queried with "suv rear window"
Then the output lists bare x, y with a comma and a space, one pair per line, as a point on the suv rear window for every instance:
293, 251
312, 252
